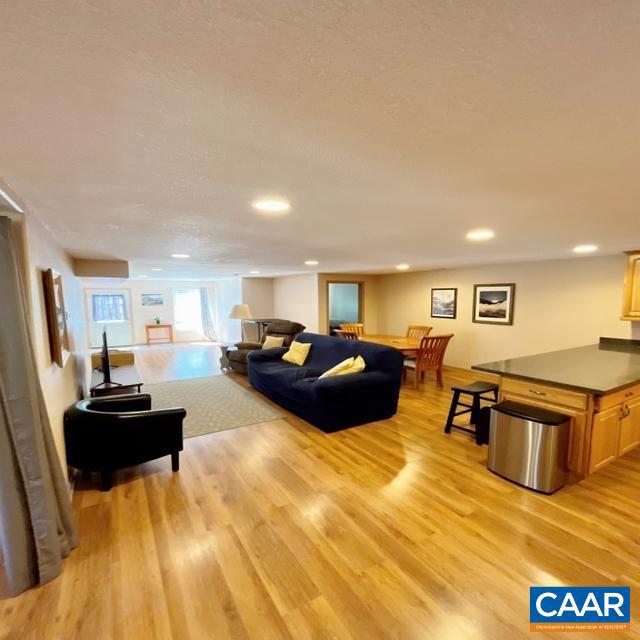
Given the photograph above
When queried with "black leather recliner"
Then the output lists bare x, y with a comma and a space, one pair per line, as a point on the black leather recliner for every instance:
114, 432
278, 328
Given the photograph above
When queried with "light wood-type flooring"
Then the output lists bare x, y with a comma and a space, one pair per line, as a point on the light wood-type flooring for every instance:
277, 530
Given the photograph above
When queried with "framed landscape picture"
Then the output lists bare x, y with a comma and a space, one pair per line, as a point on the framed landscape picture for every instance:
493, 303
152, 299
56, 316
444, 303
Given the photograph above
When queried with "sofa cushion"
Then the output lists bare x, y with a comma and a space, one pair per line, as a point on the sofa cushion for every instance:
297, 353
272, 341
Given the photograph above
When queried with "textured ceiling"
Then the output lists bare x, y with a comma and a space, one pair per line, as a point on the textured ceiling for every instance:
138, 129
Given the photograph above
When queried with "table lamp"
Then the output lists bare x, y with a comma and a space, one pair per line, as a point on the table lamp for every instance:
240, 312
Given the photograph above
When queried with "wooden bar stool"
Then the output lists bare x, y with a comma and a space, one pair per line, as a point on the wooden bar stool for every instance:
477, 390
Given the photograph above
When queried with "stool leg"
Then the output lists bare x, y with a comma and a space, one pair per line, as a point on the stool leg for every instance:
475, 409
452, 411
175, 461
495, 395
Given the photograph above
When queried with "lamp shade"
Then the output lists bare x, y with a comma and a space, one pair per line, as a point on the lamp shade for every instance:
240, 312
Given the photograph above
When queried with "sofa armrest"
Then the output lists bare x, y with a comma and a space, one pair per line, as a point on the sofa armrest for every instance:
267, 355
248, 346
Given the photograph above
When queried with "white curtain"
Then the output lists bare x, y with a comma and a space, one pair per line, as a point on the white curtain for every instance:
208, 324
36, 526
227, 293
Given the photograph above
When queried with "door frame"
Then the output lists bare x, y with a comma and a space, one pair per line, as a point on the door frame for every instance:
361, 315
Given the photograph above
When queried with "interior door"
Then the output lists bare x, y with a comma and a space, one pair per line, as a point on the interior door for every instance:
110, 310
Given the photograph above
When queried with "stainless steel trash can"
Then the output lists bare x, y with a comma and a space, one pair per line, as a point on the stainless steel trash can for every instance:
529, 445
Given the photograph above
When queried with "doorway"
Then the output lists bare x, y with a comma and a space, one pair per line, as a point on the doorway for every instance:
344, 303
110, 310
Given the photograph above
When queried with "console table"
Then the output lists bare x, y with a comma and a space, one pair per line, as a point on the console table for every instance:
123, 380
165, 331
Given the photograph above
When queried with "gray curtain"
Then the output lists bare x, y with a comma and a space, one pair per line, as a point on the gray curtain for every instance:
36, 525
208, 324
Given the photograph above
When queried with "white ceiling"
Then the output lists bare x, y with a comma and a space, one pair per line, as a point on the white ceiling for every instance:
138, 129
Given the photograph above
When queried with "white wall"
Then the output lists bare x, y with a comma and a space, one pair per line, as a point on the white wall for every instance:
61, 386
295, 298
141, 315
558, 304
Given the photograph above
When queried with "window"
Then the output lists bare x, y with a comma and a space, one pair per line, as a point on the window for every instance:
187, 309
109, 307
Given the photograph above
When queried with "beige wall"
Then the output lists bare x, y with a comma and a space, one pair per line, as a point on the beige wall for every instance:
558, 304
295, 298
371, 298
258, 294
61, 386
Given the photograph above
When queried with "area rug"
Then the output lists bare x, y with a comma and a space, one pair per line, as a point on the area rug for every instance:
214, 403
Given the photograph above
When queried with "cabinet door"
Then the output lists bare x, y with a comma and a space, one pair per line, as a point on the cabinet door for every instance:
630, 427
631, 306
605, 437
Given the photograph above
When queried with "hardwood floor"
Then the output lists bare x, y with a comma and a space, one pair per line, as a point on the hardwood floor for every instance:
277, 530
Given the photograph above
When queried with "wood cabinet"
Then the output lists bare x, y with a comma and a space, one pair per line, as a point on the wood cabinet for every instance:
605, 436
615, 431
629, 427
603, 428
631, 301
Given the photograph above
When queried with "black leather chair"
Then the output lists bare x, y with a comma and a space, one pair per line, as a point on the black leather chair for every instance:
278, 328
114, 432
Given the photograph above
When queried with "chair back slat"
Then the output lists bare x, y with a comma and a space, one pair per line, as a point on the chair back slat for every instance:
354, 327
346, 335
431, 353
418, 331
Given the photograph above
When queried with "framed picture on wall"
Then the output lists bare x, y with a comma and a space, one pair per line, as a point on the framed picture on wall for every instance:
444, 303
152, 299
56, 316
493, 303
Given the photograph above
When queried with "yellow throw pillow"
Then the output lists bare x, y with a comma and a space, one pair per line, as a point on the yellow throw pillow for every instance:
298, 352
345, 367
272, 341
339, 368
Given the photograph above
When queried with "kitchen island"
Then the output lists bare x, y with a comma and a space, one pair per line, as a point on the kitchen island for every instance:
597, 386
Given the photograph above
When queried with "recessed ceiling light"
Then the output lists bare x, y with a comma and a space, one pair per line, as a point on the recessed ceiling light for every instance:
271, 206
156, 269
180, 255
402, 267
311, 263
585, 248
479, 235
254, 272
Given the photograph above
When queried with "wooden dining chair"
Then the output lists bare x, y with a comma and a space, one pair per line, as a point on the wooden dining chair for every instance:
430, 357
346, 335
355, 327
418, 331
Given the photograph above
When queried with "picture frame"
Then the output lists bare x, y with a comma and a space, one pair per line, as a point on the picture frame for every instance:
151, 299
493, 303
444, 302
56, 316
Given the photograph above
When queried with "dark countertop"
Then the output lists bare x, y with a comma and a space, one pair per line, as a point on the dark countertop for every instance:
599, 369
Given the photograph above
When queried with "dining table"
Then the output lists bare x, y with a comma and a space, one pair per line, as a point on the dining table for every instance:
408, 346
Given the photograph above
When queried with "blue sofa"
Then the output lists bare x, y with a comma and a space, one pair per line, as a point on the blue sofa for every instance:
336, 402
